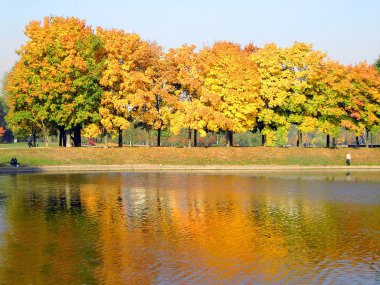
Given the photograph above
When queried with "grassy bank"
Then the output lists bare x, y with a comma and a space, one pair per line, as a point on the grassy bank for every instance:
188, 156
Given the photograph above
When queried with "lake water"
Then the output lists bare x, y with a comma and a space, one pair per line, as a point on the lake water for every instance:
190, 228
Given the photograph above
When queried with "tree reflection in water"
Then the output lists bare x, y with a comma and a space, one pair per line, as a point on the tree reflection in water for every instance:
162, 228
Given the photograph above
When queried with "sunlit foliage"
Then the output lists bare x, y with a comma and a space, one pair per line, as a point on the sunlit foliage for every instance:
55, 82
70, 78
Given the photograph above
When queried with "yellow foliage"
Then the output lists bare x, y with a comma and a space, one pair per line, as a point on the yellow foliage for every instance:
233, 79
308, 125
91, 131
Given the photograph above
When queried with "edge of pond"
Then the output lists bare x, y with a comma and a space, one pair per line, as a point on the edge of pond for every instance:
181, 168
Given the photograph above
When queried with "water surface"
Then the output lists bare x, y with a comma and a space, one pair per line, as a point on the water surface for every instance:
190, 228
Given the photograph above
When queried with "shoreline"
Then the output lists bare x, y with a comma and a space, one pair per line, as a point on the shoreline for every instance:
179, 168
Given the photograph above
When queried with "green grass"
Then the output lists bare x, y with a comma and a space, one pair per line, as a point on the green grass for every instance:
22, 145
187, 156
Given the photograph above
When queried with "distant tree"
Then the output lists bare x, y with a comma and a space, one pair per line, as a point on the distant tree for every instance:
2, 114
5, 133
377, 64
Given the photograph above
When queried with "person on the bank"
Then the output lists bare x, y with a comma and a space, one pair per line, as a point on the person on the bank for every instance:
348, 159
30, 141
14, 162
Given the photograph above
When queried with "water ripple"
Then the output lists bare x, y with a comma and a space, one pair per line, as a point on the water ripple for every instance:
156, 228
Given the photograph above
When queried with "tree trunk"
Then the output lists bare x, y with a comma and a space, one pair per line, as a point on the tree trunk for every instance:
46, 138
34, 138
195, 138
366, 138
77, 136
45, 135
299, 138
357, 140
147, 137
106, 140
189, 138
64, 138
159, 137
334, 142
61, 130
229, 138
131, 134
327, 141
263, 140
131, 138
120, 138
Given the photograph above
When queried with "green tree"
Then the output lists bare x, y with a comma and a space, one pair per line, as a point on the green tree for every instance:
26, 115
56, 80
377, 64
6, 133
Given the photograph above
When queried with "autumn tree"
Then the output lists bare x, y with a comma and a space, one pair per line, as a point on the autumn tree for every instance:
132, 79
276, 82
362, 104
164, 99
184, 81
55, 82
149, 94
327, 93
231, 87
302, 65
27, 113
119, 48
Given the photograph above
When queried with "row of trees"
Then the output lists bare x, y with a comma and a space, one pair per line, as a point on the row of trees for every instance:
87, 83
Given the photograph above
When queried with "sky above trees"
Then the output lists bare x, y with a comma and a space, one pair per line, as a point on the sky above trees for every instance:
347, 30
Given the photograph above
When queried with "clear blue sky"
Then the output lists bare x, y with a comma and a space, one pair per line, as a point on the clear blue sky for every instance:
348, 30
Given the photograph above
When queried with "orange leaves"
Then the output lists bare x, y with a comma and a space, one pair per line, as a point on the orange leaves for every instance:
355, 115
362, 102
222, 87
182, 69
358, 102
348, 124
